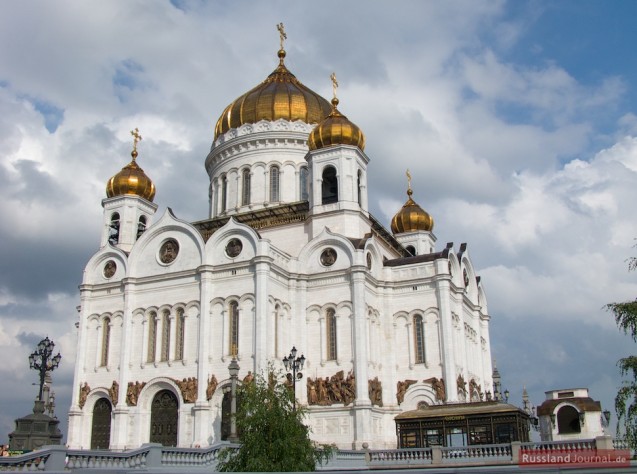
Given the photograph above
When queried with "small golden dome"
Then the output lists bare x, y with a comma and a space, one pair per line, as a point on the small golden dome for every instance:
280, 96
131, 180
336, 129
411, 216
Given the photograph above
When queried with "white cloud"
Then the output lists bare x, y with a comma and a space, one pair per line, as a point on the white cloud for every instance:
505, 155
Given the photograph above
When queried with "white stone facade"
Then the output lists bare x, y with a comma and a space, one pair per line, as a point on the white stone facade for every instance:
397, 318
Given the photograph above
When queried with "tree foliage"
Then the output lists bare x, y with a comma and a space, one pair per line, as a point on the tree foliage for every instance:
626, 400
273, 436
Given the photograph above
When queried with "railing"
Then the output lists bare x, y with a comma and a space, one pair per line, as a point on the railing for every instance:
342, 460
403, 457
157, 458
620, 444
562, 446
30, 462
186, 457
482, 453
104, 460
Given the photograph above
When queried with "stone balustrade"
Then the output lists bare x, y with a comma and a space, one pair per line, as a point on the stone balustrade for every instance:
156, 458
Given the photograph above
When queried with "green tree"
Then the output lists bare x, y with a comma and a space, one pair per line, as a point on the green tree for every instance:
626, 400
273, 436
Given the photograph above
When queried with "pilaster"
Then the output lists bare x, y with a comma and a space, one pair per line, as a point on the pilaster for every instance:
448, 356
362, 404
202, 430
262, 270
119, 428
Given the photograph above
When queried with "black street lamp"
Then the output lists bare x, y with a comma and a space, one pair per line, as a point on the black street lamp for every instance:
42, 361
295, 365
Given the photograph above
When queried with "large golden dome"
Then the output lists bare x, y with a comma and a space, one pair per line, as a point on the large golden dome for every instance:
131, 180
280, 96
411, 218
336, 129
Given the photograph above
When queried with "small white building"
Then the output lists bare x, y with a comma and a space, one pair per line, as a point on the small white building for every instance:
570, 414
289, 255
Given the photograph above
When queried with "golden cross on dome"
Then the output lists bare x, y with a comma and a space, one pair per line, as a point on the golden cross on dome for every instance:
408, 180
282, 34
334, 83
136, 138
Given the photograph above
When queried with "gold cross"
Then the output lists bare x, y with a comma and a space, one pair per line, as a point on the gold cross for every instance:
282, 34
408, 180
334, 83
136, 138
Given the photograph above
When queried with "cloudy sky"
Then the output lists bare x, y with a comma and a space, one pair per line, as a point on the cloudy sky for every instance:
517, 120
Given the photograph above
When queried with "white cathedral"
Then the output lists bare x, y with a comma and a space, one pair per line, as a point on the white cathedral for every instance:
288, 256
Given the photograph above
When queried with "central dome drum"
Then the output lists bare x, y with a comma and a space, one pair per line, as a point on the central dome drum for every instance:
280, 96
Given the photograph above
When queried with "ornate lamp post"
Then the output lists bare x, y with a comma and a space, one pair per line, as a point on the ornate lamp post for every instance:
233, 368
42, 361
294, 365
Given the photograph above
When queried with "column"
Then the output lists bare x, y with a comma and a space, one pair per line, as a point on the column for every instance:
322, 338
448, 359
259, 329
298, 331
172, 342
75, 435
98, 345
410, 349
202, 430
119, 429
362, 404
145, 326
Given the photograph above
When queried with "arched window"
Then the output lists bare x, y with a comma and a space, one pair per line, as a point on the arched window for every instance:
411, 249
165, 335
329, 188
358, 185
141, 226
274, 184
106, 339
331, 334
224, 193
152, 334
568, 420
113, 229
245, 196
234, 328
304, 177
179, 334
419, 339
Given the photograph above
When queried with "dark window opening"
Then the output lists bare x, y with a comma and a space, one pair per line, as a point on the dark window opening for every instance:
329, 187
568, 420
141, 226
113, 229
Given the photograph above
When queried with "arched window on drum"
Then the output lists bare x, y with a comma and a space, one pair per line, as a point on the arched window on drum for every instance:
274, 184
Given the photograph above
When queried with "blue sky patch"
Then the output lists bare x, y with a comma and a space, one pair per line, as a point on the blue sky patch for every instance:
127, 78
53, 115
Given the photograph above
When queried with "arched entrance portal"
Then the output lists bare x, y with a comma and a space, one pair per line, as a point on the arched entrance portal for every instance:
164, 419
101, 428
